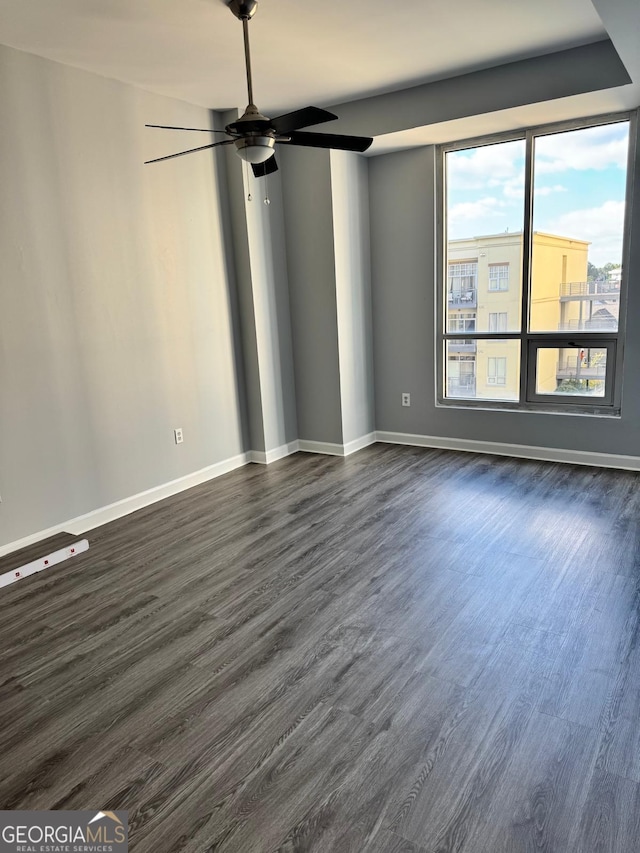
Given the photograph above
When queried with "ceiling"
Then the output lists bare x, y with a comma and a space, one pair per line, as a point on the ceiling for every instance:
303, 52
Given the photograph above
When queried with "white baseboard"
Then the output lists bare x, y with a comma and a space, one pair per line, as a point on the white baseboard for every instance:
116, 510
359, 443
329, 449
522, 451
262, 458
103, 515
323, 447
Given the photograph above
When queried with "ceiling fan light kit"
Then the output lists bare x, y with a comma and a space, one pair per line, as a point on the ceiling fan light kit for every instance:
255, 149
255, 135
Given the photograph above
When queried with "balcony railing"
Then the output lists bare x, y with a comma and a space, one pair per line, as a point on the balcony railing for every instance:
461, 386
573, 368
590, 290
462, 345
462, 298
597, 324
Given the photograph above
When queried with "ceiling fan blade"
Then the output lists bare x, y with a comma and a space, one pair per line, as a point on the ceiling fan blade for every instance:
301, 118
190, 151
267, 168
171, 127
328, 140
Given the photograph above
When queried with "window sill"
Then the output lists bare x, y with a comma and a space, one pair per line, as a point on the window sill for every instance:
531, 408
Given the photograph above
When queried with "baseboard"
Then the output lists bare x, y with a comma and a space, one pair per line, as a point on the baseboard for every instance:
329, 449
323, 447
522, 451
359, 443
262, 458
116, 510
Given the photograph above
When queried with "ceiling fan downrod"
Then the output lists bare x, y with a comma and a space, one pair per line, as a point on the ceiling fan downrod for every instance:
244, 10
255, 135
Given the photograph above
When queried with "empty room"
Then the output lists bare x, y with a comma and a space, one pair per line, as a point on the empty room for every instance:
319, 426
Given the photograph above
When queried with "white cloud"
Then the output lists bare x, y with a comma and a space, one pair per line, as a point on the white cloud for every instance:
558, 188
513, 188
487, 166
467, 210
601, 226
592, 148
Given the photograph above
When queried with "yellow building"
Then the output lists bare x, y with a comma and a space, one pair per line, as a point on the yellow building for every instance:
484, 294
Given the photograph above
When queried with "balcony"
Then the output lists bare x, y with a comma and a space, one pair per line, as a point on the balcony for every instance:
572, 291
461, 386
462, 345
597, 324
571, 368
462, 298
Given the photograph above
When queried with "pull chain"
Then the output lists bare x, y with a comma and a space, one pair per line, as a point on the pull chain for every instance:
246, 175
267, 200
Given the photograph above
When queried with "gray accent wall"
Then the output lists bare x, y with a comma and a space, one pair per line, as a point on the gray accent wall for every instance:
590, 68
401, 190
306, 176
116, 320
403, 289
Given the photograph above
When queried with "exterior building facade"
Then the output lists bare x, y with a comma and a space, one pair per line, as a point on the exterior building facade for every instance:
484, 294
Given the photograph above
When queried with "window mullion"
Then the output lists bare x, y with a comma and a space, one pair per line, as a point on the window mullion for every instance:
527, 243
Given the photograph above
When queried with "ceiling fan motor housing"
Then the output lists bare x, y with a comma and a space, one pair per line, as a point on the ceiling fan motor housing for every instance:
244, 9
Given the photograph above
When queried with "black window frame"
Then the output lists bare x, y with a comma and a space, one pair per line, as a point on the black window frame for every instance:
613, 341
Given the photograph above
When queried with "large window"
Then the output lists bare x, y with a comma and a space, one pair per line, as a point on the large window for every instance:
534, 226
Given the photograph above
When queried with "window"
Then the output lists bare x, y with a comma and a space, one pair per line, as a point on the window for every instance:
462, 322
533, 233
497, 371
499, 277
498, 321
463, 276
462, 285
461, 381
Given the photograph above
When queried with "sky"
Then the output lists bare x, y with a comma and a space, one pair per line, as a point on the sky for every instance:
579, 188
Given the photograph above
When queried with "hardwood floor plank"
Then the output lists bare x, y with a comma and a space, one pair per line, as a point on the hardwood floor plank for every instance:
538, 800
610, 816
402, 651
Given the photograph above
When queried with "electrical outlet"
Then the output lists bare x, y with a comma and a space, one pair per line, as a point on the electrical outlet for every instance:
177, 434
406, 399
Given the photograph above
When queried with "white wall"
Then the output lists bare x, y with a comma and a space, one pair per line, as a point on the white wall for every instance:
115, 313
352, 249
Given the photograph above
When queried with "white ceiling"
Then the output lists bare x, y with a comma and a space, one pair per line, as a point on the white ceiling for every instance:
303, 52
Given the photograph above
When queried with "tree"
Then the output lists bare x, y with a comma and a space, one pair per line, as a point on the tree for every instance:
595, 273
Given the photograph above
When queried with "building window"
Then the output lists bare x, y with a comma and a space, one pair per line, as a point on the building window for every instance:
499, 277
461, 381
463, 277
497, 371
462, 322
498, 321
533, 228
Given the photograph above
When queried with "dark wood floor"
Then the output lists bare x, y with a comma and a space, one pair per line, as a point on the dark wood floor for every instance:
407, 651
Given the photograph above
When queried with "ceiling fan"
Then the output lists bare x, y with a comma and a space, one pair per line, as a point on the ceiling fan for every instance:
255, 135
